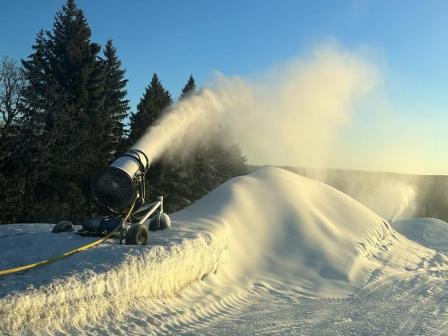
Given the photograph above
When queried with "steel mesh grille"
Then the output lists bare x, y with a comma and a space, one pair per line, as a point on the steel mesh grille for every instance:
114, 189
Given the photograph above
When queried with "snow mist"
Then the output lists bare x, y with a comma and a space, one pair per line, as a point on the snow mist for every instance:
293, 111
290, 115
388, 196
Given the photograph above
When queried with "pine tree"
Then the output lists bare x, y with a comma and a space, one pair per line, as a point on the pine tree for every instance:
177, 178
79, 74
155, 100
184, 179
214, 160
64, 124
35, 92
116, 105
33, 151
189, 88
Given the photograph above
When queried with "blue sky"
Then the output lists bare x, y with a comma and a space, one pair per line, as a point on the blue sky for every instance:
409, 41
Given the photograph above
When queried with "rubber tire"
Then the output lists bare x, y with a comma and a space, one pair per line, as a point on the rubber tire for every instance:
160, 222
164, 222
63, 226
137, 234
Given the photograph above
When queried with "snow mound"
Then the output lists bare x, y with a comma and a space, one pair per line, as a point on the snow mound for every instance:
429, 232
279, 223
272, 230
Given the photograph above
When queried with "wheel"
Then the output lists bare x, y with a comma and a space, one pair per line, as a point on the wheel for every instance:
165, 222
64, 226
160, 222
137, 234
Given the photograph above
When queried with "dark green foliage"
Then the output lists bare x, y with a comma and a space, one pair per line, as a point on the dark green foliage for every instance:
62, 122
116, 105
155, 100
67, 123
71, 112
183, 178
177, 179
189, 88
215, 159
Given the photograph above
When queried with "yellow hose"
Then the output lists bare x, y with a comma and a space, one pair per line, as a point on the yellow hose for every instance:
57, 257
66, 254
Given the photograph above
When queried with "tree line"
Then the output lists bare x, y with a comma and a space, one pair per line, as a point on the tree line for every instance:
64, 114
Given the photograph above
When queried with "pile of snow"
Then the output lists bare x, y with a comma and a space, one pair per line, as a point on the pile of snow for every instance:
286, 226
429, 232
271, 231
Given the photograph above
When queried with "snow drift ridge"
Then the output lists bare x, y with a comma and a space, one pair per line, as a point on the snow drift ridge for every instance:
271, 229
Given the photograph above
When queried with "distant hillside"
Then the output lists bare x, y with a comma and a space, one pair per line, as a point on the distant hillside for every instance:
387, 193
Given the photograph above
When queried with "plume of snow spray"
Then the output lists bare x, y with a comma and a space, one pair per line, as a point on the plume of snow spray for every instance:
291, 115
294, 111
195, 117
389, 197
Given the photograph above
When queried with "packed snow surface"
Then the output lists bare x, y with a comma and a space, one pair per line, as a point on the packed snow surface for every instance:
268, 253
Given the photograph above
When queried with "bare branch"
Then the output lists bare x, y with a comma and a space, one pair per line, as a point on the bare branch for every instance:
12, 83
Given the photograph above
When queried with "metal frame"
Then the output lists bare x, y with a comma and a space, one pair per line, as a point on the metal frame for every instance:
135, 164
146, 211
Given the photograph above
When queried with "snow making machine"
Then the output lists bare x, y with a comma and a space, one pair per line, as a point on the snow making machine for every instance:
120, 188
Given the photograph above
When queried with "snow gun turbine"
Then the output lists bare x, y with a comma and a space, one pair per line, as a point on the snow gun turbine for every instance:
120, 188
122, 183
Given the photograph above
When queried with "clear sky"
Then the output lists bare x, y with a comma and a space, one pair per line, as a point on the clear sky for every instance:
176, 38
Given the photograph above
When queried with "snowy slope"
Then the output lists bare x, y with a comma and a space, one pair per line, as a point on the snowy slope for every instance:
258, 254
430, 232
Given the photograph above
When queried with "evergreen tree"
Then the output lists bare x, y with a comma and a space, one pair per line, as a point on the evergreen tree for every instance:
64, 124
33, 149
186, 178
154, 101
177, 177
189, 88
214, 160
35, 92
116, 105
79, 74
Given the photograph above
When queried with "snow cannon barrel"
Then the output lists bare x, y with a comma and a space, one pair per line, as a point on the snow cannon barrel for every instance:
120, 184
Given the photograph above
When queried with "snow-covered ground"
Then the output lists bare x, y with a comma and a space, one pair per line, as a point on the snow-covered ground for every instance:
271, 253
